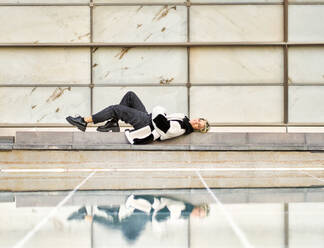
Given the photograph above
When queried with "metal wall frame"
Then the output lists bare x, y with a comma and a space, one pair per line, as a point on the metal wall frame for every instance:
285, 44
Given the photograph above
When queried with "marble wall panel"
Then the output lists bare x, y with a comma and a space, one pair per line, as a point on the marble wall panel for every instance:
173, 99
42, 104
305, 23
44, 66
236, 65
140, 24
45, 24
306, 64
137, 1
306, 104
237, 104
236, 23
262, 225
306, 224
140, 65
236, 1
44, 1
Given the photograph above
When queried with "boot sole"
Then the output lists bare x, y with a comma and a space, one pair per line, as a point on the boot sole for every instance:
82, 128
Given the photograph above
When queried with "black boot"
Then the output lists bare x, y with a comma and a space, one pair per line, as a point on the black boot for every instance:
80, 214
78, 122
111, 125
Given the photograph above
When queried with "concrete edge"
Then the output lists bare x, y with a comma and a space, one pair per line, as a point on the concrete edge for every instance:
194, 142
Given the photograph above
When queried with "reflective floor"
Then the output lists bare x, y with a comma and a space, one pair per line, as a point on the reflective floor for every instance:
278, 217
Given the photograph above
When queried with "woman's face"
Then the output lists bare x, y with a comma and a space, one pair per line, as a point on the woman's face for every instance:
198, 212
197, 124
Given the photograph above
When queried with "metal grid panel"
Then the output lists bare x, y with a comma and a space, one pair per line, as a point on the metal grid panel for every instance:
284, 44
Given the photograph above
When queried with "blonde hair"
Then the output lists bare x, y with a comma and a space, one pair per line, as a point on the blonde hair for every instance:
205, 129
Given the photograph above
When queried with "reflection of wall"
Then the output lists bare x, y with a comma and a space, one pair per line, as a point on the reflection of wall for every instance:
15, 223
166, 234
230, 84
263, 224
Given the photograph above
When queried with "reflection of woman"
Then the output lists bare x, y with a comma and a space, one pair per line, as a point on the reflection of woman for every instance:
132, 217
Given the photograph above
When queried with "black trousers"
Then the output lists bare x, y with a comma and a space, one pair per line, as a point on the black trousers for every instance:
130, 110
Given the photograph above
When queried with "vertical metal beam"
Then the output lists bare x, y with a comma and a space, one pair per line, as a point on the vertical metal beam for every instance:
188, 58
91, 57
286, 79
188, 235
286, 224
91, 229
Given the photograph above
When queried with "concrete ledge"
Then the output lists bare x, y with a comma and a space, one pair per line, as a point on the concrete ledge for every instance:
6, 142
195, 196
192, 142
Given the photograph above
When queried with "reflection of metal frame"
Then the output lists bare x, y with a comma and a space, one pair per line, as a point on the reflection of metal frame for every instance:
186, 3
285, 44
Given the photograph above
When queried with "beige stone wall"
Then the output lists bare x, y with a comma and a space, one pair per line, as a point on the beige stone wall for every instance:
230, 84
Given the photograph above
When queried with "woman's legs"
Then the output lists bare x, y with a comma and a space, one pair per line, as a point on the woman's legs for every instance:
131, 100
130, 110
129, 115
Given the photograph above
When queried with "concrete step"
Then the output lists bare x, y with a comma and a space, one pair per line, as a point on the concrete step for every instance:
192, 142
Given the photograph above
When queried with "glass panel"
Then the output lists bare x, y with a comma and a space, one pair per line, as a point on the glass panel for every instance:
236, 23
306, 221
162, 218
44, 66
306, 64
42, 105
140, 65
306, 23
173, 99
57, 232
224, 104
306, 104
45, 24
140, 24
137, 230
265, 218
236, 65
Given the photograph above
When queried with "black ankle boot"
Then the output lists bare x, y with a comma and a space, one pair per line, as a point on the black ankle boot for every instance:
78, 122
111, 125
80, 214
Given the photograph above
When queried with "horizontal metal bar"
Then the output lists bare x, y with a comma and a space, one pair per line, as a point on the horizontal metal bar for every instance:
140, 4
143, 44
157, 85
306, 3
42, 4
60, 125
44, 85
93, 85
306, 84
267, 124
236, 84
93, 4
159, 44
237, 3
156, 4
320, 43
144, 85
